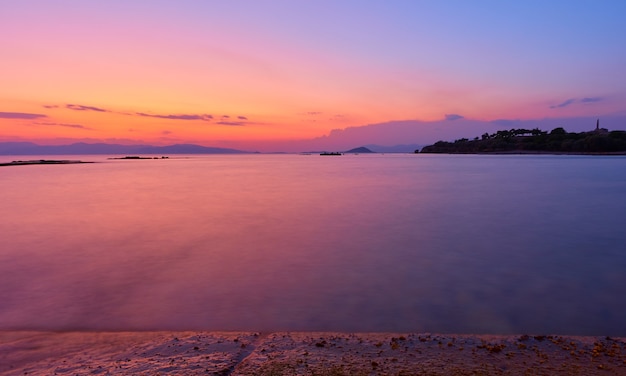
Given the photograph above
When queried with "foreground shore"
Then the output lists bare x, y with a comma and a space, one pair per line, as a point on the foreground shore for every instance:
246, 353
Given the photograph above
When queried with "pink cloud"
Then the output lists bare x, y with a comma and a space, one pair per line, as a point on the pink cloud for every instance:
20, 115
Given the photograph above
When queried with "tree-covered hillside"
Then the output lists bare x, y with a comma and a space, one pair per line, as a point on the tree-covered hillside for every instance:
535, 141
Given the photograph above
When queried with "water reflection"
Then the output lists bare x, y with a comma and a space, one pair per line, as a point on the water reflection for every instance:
364, 243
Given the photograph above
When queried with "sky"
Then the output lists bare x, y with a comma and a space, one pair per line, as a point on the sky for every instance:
283, 75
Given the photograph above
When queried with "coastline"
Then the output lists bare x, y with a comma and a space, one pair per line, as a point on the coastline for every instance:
529, 152
306, 353
42, 162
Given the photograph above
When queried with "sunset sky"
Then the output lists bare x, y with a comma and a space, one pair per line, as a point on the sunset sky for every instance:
265, 74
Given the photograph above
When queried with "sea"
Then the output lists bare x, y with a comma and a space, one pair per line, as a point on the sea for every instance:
477, 244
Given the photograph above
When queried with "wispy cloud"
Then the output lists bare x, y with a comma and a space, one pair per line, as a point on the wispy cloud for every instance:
564, 104
240, 122
203, 117
50, 106
232, 123
576, 100
79, 107
166, 132
77, 126
224, 119
591, 99
453, 117
20, 115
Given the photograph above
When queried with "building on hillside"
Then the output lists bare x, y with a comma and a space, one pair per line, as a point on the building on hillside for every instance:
598, 129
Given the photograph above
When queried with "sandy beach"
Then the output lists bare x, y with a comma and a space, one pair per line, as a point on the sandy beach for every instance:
305, 353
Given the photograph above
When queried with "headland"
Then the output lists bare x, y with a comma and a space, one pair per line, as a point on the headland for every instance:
599, 141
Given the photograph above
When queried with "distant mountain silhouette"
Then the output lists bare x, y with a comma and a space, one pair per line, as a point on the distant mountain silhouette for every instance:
361, 149
29, 148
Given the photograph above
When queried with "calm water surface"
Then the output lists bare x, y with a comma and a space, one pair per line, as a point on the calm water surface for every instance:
453, 244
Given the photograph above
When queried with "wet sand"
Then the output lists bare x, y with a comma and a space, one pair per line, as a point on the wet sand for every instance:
246, 353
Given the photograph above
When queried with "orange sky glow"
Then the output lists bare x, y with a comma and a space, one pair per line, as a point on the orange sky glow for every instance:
261, 74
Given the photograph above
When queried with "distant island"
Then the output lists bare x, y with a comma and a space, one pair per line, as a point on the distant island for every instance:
536, 141
361, 149
29, 148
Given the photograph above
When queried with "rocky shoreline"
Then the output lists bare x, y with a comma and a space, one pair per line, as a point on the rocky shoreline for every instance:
306, 353
42, 162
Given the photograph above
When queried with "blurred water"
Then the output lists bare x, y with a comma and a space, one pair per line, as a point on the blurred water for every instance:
452, 244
